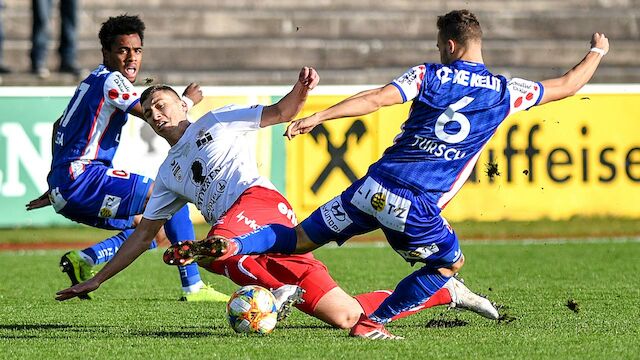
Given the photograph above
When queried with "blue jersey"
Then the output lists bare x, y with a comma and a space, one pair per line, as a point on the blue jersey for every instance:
456, 110
90, 127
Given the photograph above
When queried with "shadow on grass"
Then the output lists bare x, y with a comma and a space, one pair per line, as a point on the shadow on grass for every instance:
180, 334
31, 331
26, 331
22, 327
305, 326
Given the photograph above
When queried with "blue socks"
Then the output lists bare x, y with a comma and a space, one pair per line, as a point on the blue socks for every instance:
179, 228
273, 238
107, 248
412, 291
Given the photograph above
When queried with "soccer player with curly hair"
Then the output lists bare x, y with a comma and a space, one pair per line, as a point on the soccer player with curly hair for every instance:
83, 185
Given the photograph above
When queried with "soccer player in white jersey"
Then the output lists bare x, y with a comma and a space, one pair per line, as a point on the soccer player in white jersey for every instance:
212, 164
83, 185
456, 108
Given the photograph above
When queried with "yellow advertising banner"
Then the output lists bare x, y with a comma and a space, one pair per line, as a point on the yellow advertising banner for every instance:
579, 156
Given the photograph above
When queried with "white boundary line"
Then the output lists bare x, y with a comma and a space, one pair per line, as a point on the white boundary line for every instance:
523, 241
465, 244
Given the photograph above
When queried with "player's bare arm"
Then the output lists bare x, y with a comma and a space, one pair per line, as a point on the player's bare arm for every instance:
39, 202
359, 104
579, 75
193, 92
43, 200
135, 245
290, 105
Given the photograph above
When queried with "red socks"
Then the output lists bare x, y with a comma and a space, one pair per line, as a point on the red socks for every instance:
371, 301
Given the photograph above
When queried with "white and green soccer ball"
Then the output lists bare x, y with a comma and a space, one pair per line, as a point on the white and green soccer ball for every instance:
252, 309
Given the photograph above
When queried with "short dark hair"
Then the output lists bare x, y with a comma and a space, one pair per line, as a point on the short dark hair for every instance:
460, 26
120, 25
155, 88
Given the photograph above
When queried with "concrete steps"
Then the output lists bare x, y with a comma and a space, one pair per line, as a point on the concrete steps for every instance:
621, 24
364, 41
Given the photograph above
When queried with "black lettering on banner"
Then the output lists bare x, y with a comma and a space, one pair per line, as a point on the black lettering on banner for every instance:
562, 164
553, 161
585, 157
608, 164
357, 129
630, 163
492, 160
531, 150
510, 151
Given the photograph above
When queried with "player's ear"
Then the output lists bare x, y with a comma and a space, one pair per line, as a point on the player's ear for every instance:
451, 46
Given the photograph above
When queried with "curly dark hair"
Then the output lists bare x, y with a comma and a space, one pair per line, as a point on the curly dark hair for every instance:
120, 25
460, 26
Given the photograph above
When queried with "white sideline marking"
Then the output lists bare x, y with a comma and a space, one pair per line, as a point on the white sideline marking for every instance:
524, 241
382, 244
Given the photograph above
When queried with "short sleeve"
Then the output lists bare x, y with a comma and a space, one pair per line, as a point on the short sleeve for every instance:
239, 118
523, 94
119, 91
410, 82
163, 202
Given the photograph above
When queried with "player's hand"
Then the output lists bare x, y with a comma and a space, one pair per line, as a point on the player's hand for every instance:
308, 77
77, 290
39, 202
193, 92
302, 126
600, 41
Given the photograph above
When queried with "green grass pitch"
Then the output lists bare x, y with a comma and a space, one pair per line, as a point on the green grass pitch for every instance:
136, 315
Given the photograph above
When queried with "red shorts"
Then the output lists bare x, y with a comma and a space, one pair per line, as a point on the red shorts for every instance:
259, 206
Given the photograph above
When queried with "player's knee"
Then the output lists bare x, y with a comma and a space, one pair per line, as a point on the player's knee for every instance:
344, 320
338, 309
347, 322
457, 265
453, 269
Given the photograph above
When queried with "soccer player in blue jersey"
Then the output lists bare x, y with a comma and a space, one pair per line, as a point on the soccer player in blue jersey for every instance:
456, 108
221, 142
83, 185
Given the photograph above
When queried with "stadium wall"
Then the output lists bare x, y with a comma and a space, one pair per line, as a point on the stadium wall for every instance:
580, 156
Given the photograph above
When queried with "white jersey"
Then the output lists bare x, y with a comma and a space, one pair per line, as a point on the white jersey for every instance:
212, 164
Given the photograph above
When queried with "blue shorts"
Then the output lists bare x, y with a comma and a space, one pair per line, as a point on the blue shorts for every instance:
102, 197
412, 225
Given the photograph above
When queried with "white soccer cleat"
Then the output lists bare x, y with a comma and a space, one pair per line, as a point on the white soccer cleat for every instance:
463, 298
287, 296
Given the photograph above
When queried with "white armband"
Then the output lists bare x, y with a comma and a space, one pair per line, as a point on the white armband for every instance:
188, 101
598, 50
